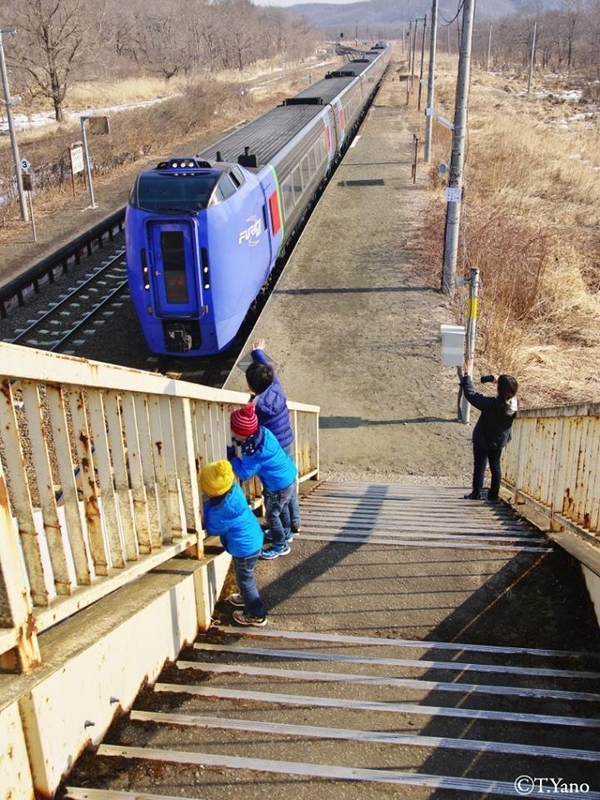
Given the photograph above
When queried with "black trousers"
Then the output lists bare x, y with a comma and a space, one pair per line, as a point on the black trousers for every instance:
481, 456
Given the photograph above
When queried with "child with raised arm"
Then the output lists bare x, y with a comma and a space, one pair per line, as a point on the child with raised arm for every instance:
270, 401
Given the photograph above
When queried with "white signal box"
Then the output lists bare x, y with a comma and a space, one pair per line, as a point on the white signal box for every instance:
453, 345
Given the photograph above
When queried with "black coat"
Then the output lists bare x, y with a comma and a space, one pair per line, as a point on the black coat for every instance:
492, 430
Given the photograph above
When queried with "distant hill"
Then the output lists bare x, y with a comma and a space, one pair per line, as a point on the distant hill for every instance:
362, 18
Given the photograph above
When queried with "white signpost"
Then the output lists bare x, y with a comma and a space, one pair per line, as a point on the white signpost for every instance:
77, 162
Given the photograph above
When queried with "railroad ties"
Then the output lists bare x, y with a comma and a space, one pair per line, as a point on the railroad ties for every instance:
84, 306
410, 653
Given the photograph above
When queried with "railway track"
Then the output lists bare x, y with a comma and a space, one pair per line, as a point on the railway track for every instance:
89, 303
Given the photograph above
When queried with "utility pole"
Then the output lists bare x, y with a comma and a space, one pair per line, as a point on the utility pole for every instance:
454, 190
532, 58
489, 50
414, 48
422, 60
11, 127
429, 111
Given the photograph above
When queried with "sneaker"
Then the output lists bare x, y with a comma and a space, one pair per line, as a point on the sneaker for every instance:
247, 619
471, 497
275, 550
296, 529
235, 600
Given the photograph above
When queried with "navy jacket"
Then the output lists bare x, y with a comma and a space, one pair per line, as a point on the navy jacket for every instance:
231, 519
492, 430
262, 455
271, 405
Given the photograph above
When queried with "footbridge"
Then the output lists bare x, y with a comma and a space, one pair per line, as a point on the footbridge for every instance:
415, 646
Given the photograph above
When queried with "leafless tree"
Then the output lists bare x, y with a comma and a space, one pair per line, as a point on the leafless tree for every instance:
55, 37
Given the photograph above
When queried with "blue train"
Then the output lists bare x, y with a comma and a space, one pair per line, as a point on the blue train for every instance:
203, 233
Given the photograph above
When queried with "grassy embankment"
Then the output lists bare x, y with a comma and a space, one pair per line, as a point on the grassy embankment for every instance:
530, 224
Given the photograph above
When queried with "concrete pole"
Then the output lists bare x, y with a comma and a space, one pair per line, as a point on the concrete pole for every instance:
532, 58
11, 129
454, 190
422, 62
489, 50
429, 111
414, 50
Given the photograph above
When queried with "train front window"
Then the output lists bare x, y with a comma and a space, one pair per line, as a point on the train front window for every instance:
176, 193
173, 257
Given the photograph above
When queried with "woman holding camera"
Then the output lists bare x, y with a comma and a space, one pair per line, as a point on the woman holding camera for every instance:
492, 431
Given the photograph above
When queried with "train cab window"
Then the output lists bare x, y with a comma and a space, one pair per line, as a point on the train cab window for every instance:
173, 193
237, 176
224, 189
173, 258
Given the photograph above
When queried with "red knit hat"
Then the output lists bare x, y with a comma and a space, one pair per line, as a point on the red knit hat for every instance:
244, 421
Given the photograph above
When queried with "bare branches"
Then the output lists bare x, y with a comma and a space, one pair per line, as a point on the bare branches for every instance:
54, 36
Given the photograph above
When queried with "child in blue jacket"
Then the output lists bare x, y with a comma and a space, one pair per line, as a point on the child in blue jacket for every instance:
263, 456
228, 516
270, 401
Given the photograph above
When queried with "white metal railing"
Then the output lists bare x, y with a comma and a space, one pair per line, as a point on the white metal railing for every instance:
99, 481
553, 463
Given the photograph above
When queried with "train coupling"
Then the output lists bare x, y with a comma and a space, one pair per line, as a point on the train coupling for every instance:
177, 339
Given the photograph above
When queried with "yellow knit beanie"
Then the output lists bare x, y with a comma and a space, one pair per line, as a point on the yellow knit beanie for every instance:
216, 478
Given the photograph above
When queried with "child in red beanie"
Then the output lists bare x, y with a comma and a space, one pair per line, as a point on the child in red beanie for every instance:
262, 455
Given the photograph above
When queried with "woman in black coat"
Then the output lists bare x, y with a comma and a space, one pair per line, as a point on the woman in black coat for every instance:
492, 431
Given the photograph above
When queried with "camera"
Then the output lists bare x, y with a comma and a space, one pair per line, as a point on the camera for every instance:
487, 379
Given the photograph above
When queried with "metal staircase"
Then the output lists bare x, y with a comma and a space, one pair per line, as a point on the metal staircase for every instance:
404, 657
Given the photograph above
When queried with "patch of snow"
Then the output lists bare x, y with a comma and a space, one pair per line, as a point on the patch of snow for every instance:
44, 118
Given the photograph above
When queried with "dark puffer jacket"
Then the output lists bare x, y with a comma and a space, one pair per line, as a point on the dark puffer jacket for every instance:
271, 405
492, 429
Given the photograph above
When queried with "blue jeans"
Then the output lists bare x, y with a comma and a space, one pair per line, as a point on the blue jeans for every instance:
293, 503
277, 513
481, 456
244, 575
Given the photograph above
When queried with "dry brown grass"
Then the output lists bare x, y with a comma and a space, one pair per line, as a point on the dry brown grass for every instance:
530, 223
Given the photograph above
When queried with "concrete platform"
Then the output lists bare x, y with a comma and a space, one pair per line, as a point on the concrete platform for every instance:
354, 327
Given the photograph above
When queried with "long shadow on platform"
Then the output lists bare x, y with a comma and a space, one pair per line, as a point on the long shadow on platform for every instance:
358, 290
359, 422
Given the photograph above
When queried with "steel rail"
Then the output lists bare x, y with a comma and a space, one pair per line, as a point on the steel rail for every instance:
69, 315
